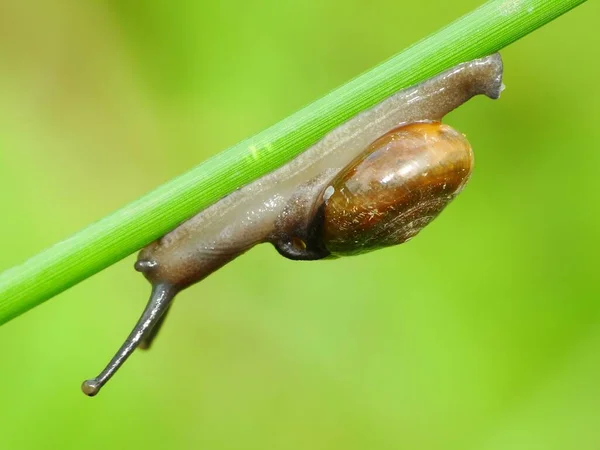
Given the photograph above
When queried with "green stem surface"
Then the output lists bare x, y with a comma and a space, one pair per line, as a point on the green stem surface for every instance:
486, 30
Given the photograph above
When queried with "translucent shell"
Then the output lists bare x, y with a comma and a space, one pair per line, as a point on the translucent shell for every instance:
395, 188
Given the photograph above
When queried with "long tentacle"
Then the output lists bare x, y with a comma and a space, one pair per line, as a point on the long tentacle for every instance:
160, 299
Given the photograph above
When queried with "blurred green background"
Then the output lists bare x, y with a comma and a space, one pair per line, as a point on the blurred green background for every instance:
482, 333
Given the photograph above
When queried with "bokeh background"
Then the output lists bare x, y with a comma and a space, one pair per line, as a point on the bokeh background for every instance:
482, 333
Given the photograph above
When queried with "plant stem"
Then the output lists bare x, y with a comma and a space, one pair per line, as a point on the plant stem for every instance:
488, 29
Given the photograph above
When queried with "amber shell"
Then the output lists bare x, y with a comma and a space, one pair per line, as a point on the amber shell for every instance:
397, 186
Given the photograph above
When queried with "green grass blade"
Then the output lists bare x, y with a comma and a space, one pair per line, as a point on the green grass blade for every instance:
488, 29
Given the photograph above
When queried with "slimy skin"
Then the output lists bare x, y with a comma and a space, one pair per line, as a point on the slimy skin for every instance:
374, 181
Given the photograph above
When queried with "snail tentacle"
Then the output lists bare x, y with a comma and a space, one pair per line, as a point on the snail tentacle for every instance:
160, 299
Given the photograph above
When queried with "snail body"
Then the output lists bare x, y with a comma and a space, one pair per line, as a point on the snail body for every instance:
374, 181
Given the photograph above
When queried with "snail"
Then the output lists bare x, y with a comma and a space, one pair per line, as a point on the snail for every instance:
374, 181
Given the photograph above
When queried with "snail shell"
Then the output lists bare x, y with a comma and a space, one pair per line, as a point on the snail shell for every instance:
394, 189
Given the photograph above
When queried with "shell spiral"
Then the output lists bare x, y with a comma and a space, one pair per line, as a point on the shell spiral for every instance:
397, 186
